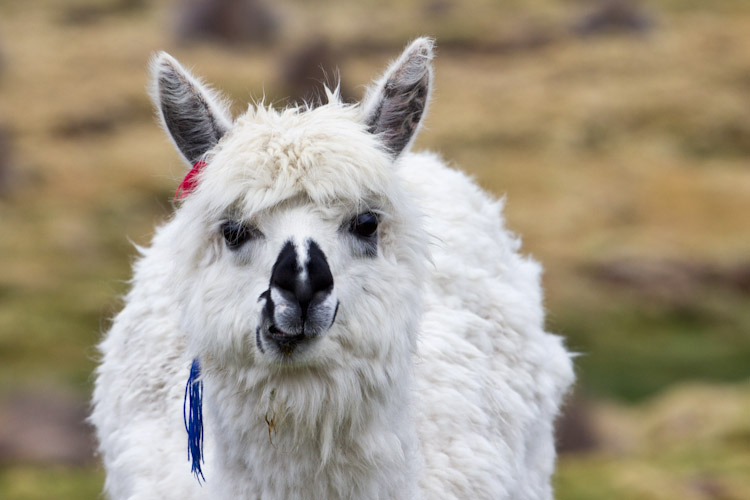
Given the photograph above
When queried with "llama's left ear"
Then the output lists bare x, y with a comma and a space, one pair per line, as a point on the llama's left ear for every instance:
395, 105
195, 116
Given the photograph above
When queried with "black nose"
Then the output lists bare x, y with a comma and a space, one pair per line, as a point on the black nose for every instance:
302, 283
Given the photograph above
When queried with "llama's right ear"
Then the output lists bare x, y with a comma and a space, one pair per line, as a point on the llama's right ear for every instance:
195, 116
395, 104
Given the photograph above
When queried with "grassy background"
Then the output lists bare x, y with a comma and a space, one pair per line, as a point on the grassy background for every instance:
625, 159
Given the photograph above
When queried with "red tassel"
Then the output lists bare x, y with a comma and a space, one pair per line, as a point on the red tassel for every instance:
190, 182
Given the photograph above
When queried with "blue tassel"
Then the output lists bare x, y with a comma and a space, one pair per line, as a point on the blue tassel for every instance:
192, 413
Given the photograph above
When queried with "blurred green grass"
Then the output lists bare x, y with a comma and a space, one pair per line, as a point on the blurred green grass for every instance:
633, 345
609, 147
20, 482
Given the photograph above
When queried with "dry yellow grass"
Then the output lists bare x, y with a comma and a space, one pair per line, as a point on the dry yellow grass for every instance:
608, 148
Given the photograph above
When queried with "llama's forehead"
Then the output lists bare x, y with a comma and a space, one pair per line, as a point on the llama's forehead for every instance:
325, 154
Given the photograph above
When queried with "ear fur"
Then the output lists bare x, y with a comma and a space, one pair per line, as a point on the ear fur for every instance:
195, 116
395, 104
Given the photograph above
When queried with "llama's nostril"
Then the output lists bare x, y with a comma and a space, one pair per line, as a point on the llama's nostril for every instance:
285, 271
318, 271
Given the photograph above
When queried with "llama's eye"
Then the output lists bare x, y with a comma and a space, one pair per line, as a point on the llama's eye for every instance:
236, 234
364, 225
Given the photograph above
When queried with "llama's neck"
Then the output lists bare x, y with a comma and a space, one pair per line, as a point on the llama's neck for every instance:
314, 434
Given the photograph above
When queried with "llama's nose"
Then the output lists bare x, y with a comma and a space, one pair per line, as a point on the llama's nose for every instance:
304, 282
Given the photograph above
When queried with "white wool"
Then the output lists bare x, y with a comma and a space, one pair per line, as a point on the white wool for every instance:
436, 380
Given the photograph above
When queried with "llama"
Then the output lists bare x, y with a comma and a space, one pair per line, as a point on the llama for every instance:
364, 325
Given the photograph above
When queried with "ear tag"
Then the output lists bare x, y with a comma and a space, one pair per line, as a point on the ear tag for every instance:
190, 182
192, 413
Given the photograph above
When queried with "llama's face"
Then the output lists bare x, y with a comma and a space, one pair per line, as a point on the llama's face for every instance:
290, 256
302, 243
298, 246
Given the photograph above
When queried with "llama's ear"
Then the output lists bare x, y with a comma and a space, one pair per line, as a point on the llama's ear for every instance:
195, 116
395, 104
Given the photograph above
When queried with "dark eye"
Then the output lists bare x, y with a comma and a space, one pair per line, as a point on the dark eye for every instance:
364, 225
236, 234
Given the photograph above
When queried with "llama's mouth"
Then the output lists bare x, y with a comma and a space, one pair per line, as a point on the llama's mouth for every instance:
286, 330
270, 337
286, 342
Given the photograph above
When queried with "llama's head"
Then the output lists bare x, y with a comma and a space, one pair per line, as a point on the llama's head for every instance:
298, 246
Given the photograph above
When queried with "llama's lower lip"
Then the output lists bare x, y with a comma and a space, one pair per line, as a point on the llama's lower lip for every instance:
285, 342
279, 335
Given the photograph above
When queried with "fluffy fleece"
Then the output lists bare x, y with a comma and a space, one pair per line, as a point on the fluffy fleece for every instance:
436, 379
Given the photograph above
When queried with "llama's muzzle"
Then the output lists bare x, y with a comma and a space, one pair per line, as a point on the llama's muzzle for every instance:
300, 303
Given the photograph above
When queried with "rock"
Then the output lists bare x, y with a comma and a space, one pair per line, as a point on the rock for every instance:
227, 21
45, 427
575, 429
5, 161
672, 280
305, 70
614, 16
77, 14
